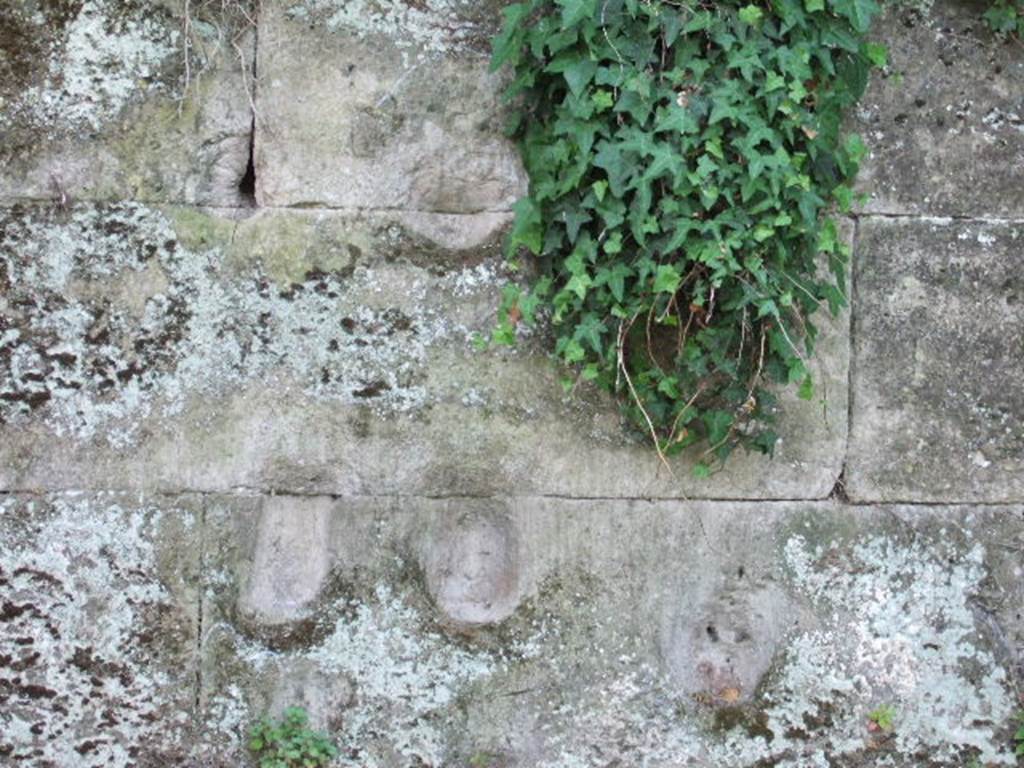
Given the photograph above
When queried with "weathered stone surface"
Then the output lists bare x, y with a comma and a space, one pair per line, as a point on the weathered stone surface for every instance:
402, 115
317, 352
98, 629
394, 531
723, 646
472, 566
291, 561
97, 100
939, 355
945, 123
810, 616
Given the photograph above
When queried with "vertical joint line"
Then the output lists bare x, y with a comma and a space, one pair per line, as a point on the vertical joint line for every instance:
851, 353
201, 607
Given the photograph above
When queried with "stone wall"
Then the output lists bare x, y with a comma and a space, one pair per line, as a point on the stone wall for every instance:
249, 457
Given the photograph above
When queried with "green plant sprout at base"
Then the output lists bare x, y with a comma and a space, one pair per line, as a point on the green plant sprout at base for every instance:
289, 743
883, 718
684, 160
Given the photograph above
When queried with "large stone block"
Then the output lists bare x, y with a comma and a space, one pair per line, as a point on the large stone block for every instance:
98, 629
401, 115
945, 123
938, 359
318, 352
105, 99
581, 633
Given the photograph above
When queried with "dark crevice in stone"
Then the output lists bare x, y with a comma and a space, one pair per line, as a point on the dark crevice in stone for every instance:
839, 493
247, 184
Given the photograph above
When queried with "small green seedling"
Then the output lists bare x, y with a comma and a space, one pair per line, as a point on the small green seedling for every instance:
883, 718
289, 743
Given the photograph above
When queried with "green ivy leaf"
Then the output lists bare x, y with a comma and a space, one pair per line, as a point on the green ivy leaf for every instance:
527, 230
603, 100
877, 53
615, 279
806, 391
667, 279
859, 12
773, 82
855, 148
718, 424
591, 329
510, 40
579, 284
575, 11
611, 159
579, 74
751, 14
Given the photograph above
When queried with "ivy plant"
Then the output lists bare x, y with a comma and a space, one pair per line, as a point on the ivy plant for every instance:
1006, 17
290, 743
685, 161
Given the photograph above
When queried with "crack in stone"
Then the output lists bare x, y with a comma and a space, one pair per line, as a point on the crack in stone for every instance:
242, 492
200, 595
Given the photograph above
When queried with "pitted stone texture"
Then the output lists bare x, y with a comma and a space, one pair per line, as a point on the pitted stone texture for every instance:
599, 662
97, 102
723, 646
318, 352
393, 120
114, 313
945, 123
98, 629
939, 357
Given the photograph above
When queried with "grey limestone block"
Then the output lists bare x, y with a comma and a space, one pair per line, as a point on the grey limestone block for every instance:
554, 632
402, 114
938, 407
112, 100
178, 349
99, 628
944, 122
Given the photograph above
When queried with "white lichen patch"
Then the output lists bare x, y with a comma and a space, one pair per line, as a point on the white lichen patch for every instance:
79, 347
432, 26
625, 714
90, 652
897, 629
905, 634
108, 54
573, 681
405, 677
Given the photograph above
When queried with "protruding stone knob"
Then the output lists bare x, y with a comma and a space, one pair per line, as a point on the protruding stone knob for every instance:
290, 564
472, 570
